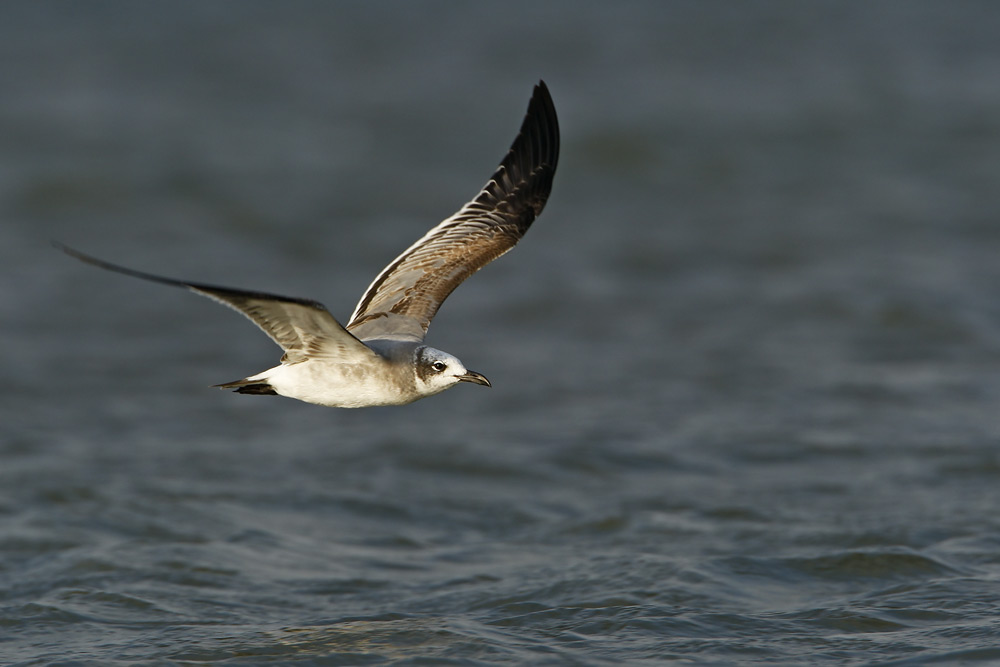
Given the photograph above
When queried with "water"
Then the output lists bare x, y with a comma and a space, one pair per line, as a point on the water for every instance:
745, 365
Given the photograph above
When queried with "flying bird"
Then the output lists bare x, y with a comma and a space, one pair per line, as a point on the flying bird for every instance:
380, 357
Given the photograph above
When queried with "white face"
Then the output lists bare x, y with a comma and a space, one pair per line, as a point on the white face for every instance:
437, 370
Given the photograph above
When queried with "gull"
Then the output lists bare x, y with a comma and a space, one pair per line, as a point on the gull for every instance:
380, 357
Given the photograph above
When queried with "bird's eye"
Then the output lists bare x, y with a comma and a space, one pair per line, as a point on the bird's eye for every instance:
439, 366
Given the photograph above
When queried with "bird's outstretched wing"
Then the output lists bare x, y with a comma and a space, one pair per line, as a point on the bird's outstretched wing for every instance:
302, 328
403, 299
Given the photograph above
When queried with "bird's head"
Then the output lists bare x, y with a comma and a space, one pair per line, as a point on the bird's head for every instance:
437, 371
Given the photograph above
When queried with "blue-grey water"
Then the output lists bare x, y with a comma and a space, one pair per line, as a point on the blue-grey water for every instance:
746, 365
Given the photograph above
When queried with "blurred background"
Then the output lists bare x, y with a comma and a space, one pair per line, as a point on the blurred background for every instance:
745, 364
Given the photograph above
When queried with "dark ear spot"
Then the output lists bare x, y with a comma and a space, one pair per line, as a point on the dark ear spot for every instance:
423, 366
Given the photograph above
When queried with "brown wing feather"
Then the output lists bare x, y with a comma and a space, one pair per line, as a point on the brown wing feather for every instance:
415, 284
301, 327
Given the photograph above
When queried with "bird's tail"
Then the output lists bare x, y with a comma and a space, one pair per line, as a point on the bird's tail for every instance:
248, 386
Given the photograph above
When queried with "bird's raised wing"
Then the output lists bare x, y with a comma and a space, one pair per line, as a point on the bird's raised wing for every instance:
302, 328
403, 299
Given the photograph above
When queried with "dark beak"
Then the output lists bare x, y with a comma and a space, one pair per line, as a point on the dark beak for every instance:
473, 376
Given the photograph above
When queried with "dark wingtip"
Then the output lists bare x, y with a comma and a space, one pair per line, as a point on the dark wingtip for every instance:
542, 90
537, 144
59, 245
117, 268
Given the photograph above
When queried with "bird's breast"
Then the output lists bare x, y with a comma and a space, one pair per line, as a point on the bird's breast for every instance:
344, 385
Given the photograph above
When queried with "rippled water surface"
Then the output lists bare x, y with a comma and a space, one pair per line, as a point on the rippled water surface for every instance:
745, 365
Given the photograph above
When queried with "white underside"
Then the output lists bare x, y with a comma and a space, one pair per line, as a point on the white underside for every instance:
336, 385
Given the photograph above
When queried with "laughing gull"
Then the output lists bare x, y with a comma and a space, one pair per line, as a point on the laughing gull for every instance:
380, 358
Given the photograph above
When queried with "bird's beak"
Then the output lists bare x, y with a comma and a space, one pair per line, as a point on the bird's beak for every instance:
473, 376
